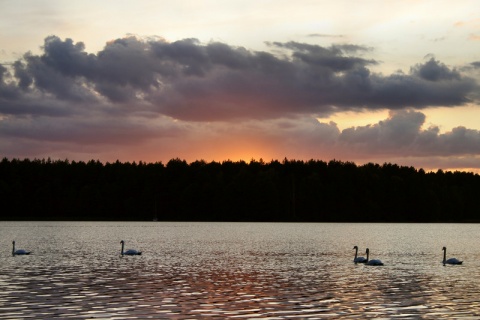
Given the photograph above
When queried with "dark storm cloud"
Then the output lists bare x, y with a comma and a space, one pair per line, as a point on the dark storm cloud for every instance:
189, 80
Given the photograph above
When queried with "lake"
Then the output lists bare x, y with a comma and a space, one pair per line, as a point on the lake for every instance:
238, 270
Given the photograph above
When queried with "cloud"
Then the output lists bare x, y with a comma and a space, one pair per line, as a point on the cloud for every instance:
402, 134
193, 81
433, 70
400, 138
150, 99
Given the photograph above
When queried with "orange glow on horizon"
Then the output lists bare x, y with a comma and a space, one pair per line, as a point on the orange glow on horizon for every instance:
237, 150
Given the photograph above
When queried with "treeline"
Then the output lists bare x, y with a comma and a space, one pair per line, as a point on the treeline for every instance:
289, 190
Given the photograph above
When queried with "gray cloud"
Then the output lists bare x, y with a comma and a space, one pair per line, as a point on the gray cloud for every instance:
209, 82
402, 134
435, 71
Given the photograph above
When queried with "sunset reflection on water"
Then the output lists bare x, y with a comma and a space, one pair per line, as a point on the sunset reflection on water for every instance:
235, 271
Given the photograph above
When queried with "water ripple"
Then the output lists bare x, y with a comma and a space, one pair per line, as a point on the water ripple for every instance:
268, 275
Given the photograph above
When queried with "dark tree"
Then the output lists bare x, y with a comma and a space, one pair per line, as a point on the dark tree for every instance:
290, 190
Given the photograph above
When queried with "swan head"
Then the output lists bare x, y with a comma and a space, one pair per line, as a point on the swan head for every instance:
13, 242
444, 248
367, 251
122, 242
355, 247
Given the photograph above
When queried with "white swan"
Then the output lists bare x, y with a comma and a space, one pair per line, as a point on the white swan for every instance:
358, 259
451, 260
19, 251
129, 252
374, 262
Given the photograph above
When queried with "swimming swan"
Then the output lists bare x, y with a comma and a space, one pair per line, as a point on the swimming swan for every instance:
129, 252
374, 262
19, 251
451, 260
358, 259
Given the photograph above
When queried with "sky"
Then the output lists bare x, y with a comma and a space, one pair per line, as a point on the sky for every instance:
359, 81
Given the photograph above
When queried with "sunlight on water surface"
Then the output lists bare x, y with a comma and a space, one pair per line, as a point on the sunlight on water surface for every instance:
237, 270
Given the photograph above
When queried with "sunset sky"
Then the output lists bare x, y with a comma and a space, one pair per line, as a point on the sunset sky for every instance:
362, 81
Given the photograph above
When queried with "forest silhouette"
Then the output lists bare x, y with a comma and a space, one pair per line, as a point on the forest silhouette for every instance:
288, 190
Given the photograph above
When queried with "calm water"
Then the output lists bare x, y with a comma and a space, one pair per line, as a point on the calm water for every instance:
238, 270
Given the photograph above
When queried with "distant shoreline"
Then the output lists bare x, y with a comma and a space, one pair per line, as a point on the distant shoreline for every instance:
287, 191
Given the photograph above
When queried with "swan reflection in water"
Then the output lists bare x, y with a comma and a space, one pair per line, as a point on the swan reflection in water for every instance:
374, 262
358, 259
129, 252
451, 260
19, 251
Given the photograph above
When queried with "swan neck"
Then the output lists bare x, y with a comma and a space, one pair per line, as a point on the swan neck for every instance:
123, 244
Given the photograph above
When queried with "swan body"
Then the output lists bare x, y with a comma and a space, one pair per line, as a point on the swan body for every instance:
451, 260
358, 259
129, 252
374, 262
19, 251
